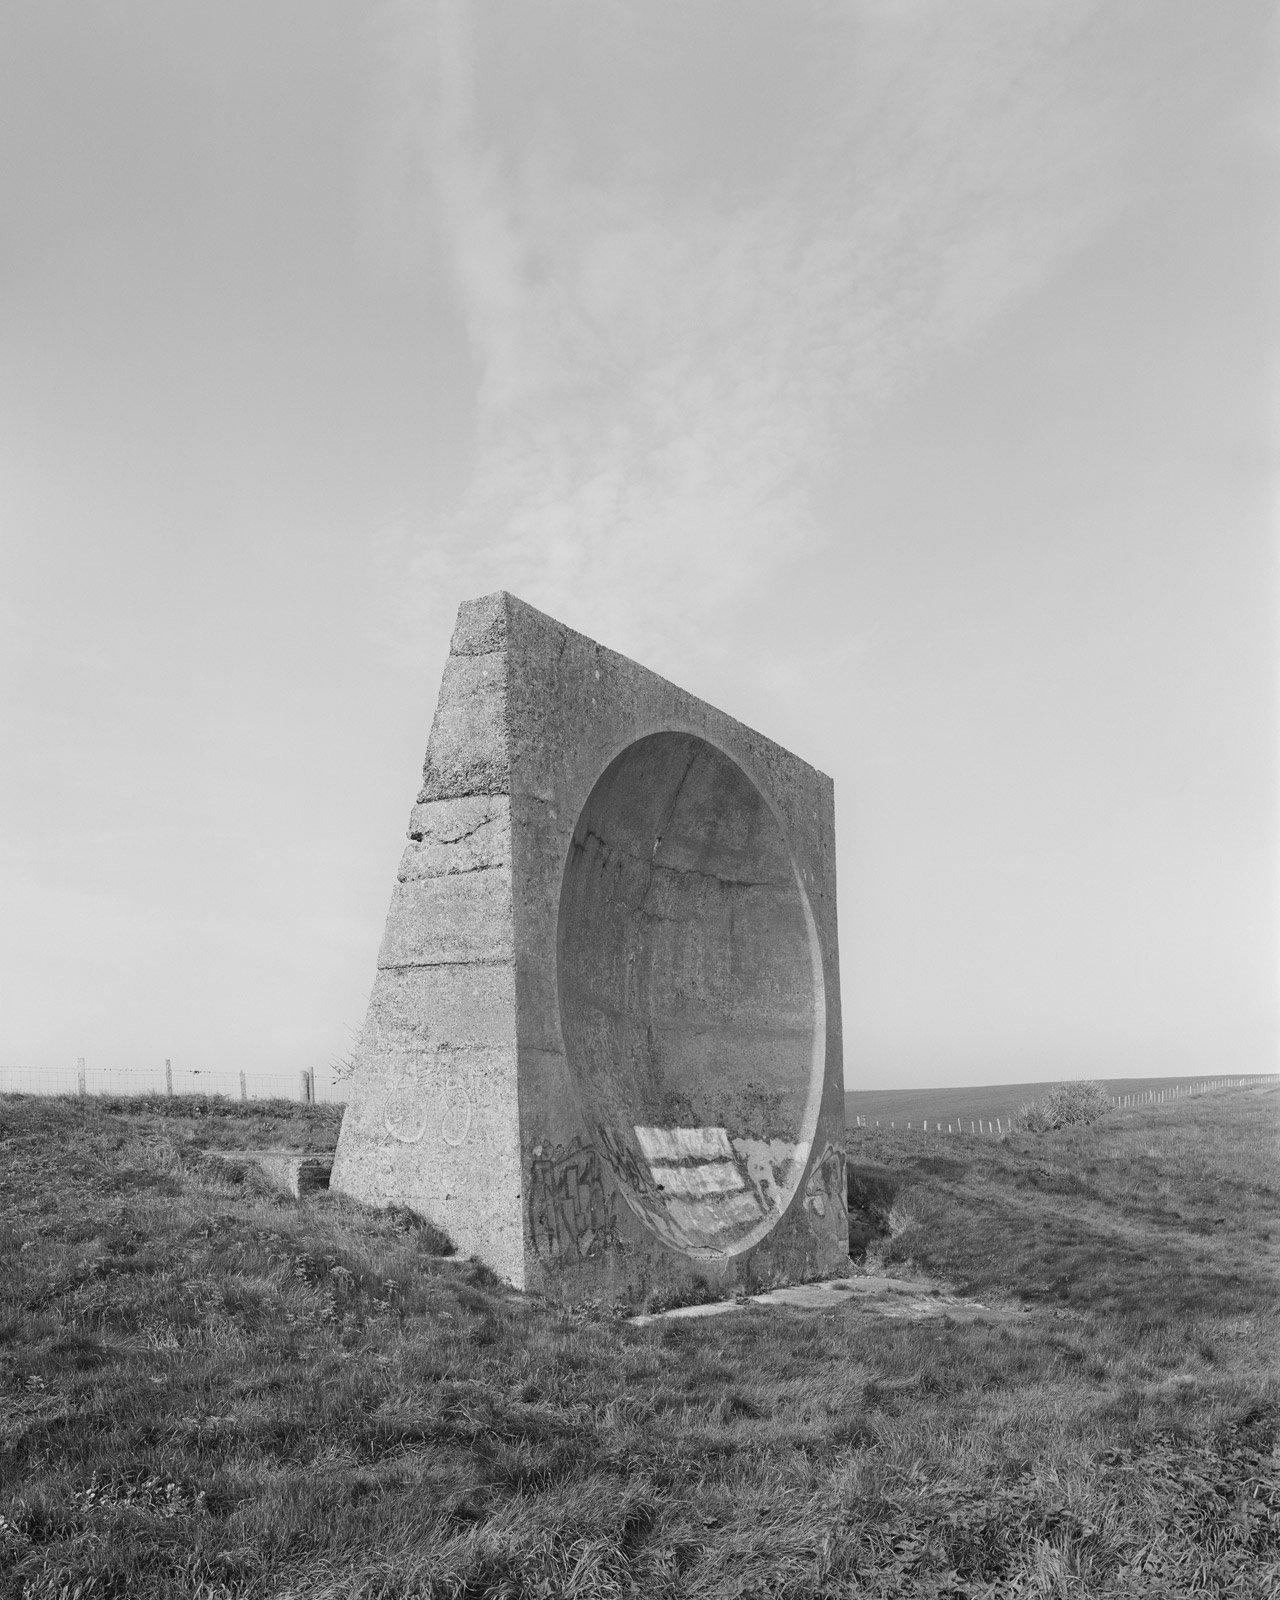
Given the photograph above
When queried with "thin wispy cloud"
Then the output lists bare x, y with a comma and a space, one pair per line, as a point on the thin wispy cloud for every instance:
669, 363
896, 374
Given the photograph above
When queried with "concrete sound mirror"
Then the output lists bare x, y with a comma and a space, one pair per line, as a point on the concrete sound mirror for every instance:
603, 1050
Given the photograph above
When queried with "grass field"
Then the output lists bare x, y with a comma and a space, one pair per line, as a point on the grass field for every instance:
980, 1103
209, 1391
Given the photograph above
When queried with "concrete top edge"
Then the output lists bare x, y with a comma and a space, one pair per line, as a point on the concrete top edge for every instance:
486, 624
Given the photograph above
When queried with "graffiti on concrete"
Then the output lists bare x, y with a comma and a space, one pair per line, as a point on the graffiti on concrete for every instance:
824, 1191
691, 1185
571, 1217
650, 1184
415, 1105
697, 1173
770, 1164
455, 1122
406, 1113
631, 1170
636, 1181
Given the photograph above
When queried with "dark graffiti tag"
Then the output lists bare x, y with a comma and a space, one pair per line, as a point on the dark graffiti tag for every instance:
571, 1217
638, 1188
824, 1191
625, 1162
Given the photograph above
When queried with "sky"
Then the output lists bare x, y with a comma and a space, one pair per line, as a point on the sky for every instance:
901, 378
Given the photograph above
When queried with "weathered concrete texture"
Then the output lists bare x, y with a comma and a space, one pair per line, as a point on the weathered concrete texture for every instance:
603, 1046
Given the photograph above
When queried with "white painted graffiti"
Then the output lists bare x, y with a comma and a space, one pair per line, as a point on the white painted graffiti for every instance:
455, 1124
405, 1118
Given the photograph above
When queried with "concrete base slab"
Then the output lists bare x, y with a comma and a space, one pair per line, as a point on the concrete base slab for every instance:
912, 1299
291, 1172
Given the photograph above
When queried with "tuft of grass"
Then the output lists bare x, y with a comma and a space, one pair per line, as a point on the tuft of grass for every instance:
208, 1391
1064, 1104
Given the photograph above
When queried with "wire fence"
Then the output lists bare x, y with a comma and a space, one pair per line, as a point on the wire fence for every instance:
997, 1127
309, 1089
306, 1086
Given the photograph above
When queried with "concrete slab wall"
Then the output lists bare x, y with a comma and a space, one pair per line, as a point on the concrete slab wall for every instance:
433, 1121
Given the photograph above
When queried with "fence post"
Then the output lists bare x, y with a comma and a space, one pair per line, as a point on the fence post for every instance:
308, 1086
80, 1074
244, 1090
168, 1076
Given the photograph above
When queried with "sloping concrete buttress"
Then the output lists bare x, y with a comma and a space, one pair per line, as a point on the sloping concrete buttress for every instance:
603, 1049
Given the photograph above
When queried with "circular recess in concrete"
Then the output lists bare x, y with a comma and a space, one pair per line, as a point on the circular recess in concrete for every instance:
691, 996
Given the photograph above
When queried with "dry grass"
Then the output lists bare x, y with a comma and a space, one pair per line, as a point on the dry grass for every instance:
205, 1391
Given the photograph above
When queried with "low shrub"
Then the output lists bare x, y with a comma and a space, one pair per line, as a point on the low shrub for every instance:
1065, 1104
